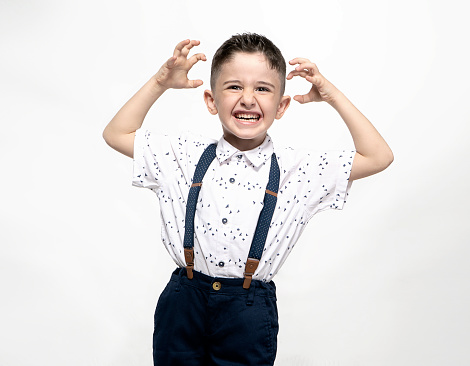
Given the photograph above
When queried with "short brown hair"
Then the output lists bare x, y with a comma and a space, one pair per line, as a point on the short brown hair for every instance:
249, 43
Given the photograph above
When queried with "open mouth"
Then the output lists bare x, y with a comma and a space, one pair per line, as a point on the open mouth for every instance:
247, 117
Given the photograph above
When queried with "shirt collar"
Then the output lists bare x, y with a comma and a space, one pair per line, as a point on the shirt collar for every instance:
256, 156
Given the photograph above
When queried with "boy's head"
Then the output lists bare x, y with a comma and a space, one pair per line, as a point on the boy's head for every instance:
249, 43
247, 81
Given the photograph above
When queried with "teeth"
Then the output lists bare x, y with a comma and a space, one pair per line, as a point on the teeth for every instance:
247, 116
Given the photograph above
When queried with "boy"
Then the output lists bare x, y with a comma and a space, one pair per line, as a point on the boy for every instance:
233, 209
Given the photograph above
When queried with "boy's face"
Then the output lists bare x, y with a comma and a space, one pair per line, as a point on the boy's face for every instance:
248, 98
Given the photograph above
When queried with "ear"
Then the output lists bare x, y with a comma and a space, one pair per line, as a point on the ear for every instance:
210, 102
283, 105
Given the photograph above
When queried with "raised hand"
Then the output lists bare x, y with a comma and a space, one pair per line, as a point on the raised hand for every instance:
322, 89
174, 72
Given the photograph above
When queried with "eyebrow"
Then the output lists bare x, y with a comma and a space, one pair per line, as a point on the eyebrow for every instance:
259, 82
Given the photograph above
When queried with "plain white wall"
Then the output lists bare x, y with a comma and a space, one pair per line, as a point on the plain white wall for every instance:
385, 282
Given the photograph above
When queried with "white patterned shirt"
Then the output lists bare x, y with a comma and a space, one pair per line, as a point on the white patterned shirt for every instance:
232, 195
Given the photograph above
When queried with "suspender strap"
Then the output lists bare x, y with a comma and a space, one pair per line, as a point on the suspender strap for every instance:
267, 212
264, 221
205, 160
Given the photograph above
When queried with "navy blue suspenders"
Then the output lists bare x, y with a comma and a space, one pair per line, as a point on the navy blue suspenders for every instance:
264, 221
204, 161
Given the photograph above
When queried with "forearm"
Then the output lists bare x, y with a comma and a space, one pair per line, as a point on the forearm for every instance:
120, 132
372, 152
131, 116
367, 140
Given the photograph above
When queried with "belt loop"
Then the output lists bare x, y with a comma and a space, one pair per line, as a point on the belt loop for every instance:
180, 276
250, 296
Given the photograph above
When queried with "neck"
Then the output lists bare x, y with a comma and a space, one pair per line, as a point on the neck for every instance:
243, 144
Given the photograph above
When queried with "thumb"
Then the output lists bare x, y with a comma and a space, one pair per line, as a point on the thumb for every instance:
171, 61
195, 83
301, 99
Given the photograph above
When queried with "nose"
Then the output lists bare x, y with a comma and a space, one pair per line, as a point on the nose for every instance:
248, 99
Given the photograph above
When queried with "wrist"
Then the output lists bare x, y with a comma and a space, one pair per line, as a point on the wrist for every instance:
156, 87
336, 98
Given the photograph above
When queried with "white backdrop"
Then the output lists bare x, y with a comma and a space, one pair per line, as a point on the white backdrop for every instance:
81, 262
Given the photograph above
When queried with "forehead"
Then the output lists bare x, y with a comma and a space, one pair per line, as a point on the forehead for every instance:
248, 67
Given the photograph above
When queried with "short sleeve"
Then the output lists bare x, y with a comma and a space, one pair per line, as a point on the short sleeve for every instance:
161, 159
320, 180
147, 163
334, 178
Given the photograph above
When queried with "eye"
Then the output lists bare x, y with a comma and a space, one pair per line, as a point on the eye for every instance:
262, 89
234, 87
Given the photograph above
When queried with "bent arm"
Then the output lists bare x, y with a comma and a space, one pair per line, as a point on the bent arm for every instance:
120, 132
372, 152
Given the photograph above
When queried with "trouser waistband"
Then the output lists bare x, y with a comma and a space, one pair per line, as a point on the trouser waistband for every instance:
222, 285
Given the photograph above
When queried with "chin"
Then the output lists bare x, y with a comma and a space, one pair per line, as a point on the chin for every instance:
247, 134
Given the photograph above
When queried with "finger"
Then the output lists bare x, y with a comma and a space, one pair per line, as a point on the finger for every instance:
187, 48
299, 60
304, 66
309, 66
315, 80
299, 72
179, 47
197, 57
293, 73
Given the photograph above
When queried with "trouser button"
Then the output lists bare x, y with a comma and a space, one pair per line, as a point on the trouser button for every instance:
216, 286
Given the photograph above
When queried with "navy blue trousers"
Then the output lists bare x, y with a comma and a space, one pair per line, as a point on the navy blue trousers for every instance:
199, 323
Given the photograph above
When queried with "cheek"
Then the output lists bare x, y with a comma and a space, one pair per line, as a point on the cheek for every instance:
227, 104
269, 107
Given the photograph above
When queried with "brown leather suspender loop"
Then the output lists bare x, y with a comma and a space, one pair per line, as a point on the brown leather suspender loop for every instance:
189, 256
271, 193
250, 268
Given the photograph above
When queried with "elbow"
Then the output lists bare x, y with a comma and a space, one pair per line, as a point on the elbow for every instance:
388, 159
385, 160
364, 166
106, 135
109, 137
123, 143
